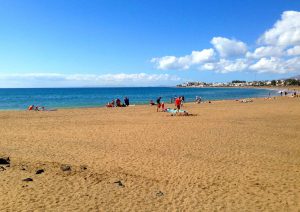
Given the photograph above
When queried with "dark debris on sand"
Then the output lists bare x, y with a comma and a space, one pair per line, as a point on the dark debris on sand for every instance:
27, 179
65, 167
119, 183
4, 161
159, 194
83, 167
40, 171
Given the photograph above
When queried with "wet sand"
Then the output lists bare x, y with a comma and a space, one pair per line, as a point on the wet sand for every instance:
228, 156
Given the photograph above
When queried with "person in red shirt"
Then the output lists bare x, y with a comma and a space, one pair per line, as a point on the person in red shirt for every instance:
178, 103
31, 107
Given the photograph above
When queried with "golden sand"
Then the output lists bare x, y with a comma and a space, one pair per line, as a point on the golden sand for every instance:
229, 156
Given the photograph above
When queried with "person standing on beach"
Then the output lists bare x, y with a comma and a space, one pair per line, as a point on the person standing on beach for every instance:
158, 103
182, 100
178, 103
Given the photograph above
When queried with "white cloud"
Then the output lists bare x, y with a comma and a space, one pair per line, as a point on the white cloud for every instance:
276, 65
226, 66
185, 62
285, 32
266, 51
228, 47
75, 80
277, 53
294, 51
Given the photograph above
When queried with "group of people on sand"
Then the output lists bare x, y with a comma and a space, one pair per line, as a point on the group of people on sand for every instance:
285, 93
161, 105
36, 108
118, 103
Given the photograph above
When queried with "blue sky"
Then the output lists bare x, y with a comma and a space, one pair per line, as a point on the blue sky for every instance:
57, 43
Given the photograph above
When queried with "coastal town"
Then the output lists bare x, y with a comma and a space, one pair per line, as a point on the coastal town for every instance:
295, 81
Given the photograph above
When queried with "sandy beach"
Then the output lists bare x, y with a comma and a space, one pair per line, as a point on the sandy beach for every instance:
228, 156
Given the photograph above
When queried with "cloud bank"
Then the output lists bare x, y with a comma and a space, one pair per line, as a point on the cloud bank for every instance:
277, 51
82, 80
185, 62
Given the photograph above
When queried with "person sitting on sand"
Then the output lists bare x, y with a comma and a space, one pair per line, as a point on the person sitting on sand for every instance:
198, 99
111, 104
126, 101
31, 107
158, 103
118, 103
295, 94
41, 108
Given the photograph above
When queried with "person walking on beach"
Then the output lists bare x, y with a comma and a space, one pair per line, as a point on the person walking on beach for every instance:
158, 103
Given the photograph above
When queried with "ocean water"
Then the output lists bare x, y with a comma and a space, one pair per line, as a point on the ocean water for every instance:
51, 98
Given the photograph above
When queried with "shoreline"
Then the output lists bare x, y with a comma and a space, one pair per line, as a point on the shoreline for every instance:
166, 102
131, 105
139, 105
255, 87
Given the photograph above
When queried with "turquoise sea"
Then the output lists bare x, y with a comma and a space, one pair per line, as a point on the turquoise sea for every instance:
51, 98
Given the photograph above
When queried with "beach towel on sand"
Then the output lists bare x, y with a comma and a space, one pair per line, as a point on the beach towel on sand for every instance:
173, 111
